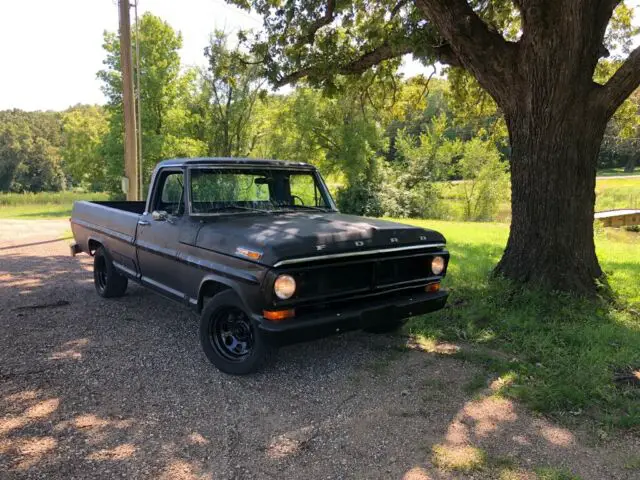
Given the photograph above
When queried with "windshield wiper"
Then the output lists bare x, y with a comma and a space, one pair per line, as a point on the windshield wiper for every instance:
238, 207
320, 209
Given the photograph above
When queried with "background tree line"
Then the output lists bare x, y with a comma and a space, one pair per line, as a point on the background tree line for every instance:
389, 146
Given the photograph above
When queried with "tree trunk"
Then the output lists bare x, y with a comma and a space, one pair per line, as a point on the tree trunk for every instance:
553, 169
631, 163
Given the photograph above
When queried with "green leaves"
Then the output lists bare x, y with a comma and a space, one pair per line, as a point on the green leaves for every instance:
230, 92
485, 179
84, 128
165, 96
427, 158
621, 30
29, 151
319, 39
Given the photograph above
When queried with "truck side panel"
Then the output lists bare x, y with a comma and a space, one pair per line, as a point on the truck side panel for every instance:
208, 266
113, 228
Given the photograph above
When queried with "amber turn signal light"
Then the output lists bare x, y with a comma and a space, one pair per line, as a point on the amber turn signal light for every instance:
432, 287
250, 254
277, 315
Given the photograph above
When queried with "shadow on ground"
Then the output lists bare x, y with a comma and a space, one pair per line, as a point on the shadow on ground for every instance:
91, 388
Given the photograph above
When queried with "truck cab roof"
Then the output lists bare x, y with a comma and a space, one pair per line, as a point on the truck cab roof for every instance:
231, 161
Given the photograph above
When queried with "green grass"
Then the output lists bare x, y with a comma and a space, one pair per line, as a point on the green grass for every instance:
616, 172
549, 473
565, 350
611, 193
477, 383
633, 463
42, 205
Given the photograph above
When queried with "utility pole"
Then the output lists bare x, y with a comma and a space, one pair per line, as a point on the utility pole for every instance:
129, 106
139, 105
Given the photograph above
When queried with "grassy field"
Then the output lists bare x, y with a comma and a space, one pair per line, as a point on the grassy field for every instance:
616, 172
611, 193
556, 353
42, 205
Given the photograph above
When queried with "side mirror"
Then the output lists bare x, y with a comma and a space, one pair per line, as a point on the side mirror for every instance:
159, 215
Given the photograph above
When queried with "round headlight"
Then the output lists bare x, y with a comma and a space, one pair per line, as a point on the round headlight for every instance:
437, 265
284, 287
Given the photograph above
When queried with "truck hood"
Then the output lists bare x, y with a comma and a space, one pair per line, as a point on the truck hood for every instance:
303, 234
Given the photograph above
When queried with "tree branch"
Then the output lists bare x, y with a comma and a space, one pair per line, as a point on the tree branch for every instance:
322, 21
611, 4
483, 52
622, 84
397, 8
292, 77
445, 54
386, 51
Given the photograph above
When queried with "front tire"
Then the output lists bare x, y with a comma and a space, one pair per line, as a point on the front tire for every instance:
229, 338
108, 282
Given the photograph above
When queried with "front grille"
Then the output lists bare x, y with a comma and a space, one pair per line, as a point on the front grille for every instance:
333, 279
401, 270
337, 280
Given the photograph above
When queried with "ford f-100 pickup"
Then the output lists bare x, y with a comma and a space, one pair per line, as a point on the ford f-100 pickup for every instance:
259, 250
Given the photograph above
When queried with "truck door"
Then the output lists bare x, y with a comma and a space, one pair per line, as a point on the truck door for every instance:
158, 235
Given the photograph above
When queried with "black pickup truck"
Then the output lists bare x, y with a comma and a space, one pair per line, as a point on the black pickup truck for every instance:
258, 248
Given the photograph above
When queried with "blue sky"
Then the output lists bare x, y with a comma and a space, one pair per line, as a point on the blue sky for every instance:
52, 50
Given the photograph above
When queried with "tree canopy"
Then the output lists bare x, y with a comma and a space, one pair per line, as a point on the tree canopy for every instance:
166, 120
539, 60
29, 151
321, 39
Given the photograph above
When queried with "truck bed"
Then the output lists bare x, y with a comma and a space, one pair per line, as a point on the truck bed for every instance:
112, 224
132, 207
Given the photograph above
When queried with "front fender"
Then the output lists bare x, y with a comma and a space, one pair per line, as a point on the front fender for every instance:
250, 294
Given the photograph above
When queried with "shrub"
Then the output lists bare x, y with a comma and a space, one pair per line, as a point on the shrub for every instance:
360, 199
421, 201
485, 179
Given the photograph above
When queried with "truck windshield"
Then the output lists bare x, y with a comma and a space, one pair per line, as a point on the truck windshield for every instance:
216, 191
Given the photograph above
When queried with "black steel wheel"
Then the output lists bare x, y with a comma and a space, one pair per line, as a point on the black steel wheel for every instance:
100, 271
231, 333
108, 282
229, 338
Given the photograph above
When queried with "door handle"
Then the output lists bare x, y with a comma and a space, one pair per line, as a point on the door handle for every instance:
143, 222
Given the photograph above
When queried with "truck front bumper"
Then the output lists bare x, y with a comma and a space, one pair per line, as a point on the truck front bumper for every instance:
357, 316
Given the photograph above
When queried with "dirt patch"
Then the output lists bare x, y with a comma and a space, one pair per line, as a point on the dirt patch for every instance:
120, 388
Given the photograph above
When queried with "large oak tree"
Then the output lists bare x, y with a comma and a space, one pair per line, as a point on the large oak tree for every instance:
536, 58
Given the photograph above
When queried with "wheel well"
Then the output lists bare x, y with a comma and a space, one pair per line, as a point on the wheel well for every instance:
208, 290
93, 246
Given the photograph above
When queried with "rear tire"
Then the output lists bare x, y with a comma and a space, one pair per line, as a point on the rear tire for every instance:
229, 338
108, 282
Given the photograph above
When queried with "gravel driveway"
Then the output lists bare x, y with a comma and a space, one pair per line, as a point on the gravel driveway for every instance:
95, 388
